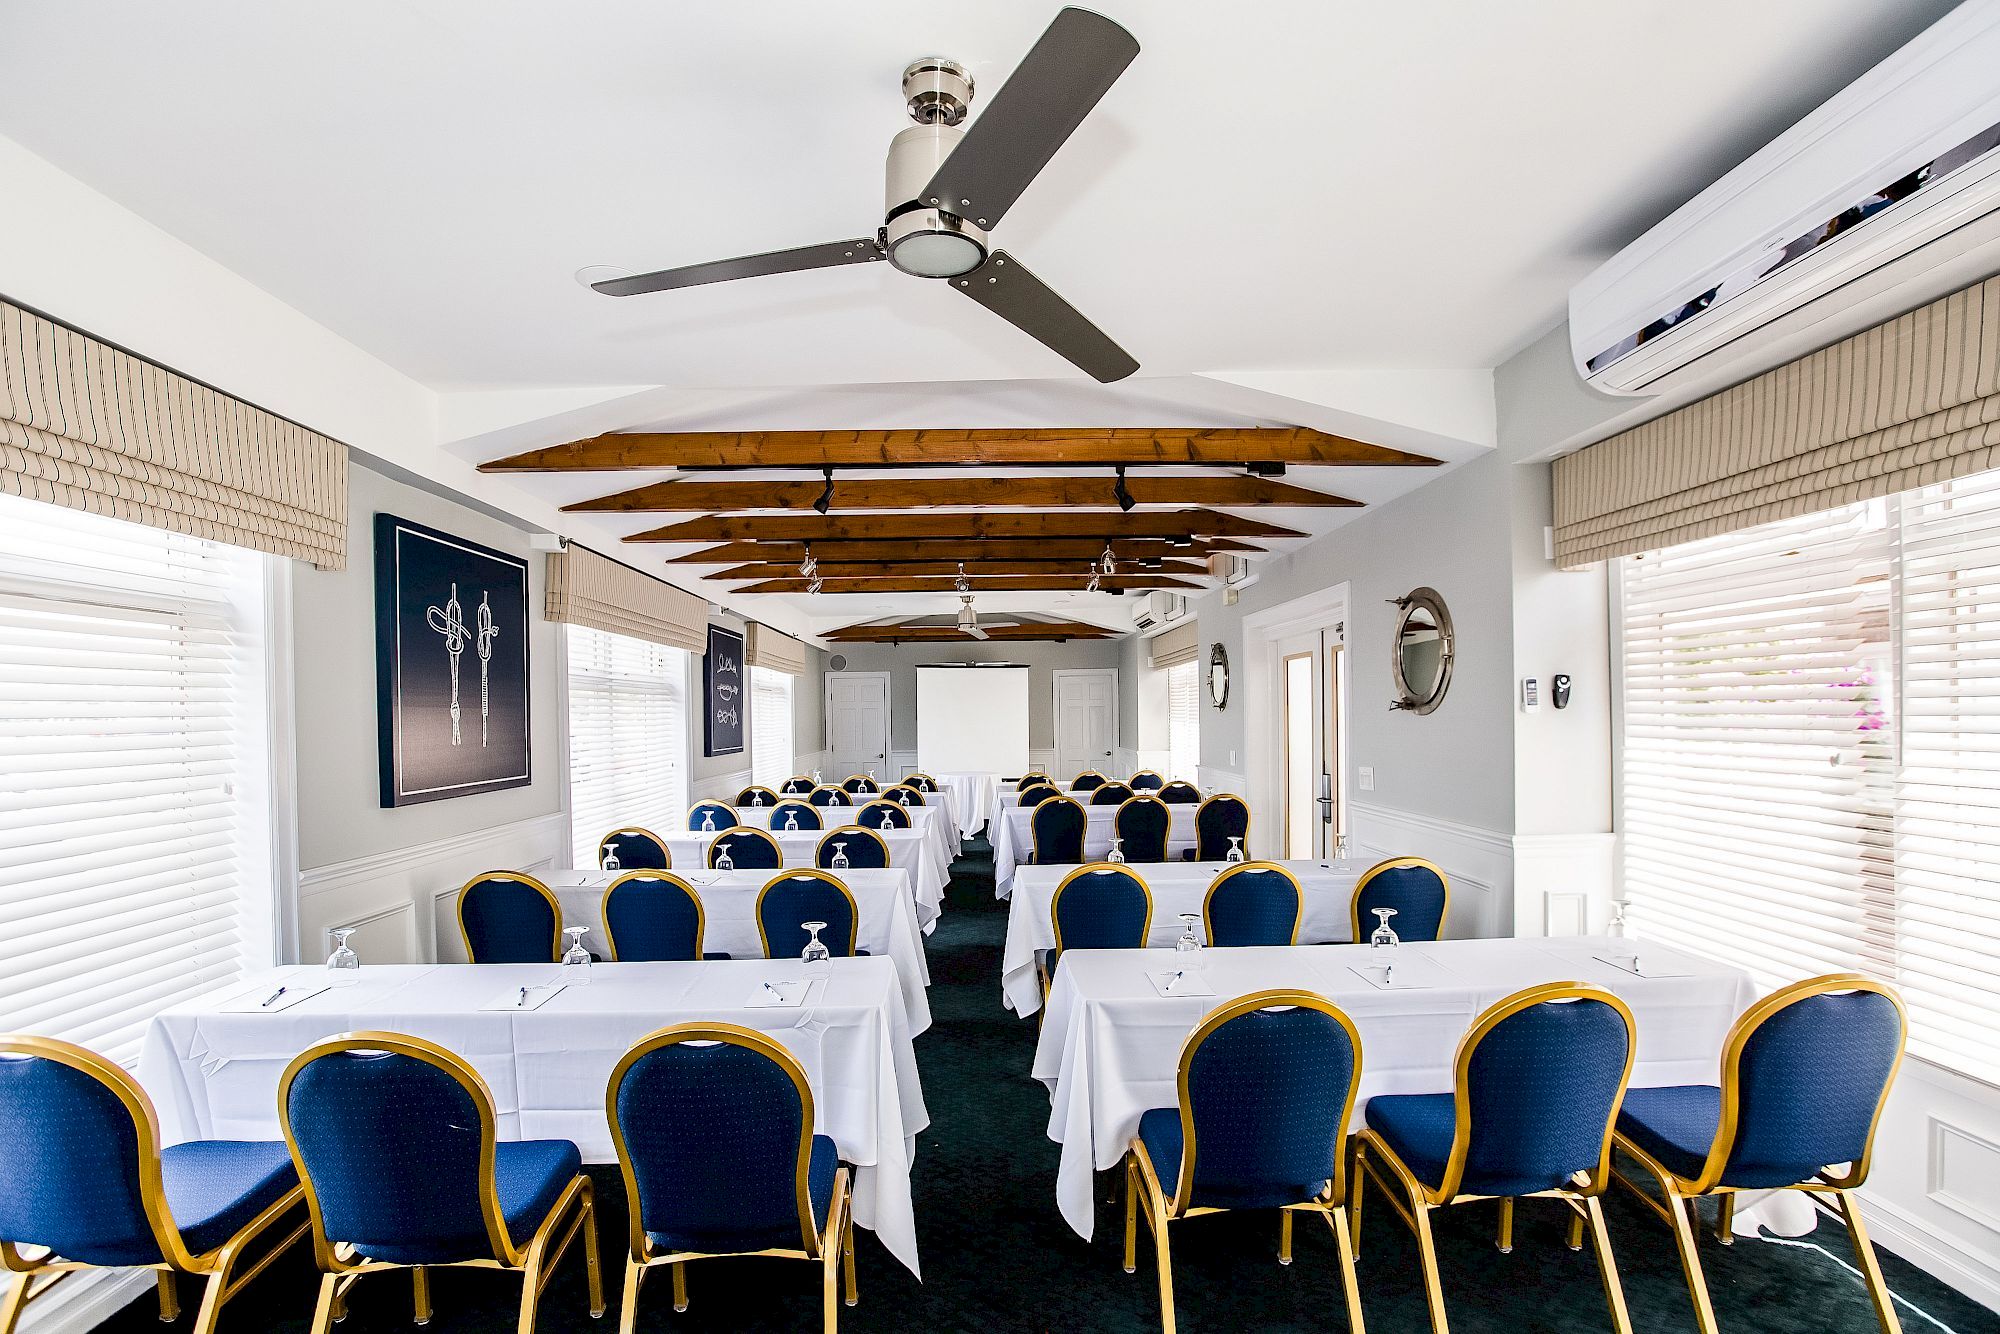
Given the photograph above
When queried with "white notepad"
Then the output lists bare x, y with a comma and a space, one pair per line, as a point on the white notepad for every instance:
525, 998
1181, 982
1402, 975
263, 1001
780, 995
1638, 965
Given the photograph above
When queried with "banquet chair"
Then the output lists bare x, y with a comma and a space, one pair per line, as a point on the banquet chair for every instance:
1222, 817
636, 850
652, 917
1255, 903
749, 849
714, 1130
922, 782
507, 917
83, 1175
1180, 792
756, 796
807, 896
711, 817
1147, 780
1056, 832
1099, 906
1415, 888
1110, 794
1087, 781
882, 815
1032, 776
804, 813
1035, 794
797, 785
1536, 1091
394, 1138
863, 847
1805, 1073
1141, 823
854, 784
827, 795
1267, 1087
906, 794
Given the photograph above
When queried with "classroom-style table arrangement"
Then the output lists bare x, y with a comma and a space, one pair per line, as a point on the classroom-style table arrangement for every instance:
1014, 840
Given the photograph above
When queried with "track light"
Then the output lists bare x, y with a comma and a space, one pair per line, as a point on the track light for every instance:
1095, 581
814, 584
1108, 563
961, 583
810, 565
825, 501
1120, 494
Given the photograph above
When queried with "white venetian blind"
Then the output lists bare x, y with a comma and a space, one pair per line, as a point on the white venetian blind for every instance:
627, 736
1184, 720
129, 663
770, 726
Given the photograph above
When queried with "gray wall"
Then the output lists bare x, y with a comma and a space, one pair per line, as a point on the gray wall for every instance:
809, 706
902, 661
808, 715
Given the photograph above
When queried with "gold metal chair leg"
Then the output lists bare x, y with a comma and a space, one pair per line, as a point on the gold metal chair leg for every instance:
1614, 1291
680, 1285
1131, 1215
1576, 1232
170, 1296
628, 1302
829, 1283
1284, 1236
420, 1282
531, 1291
1350, 1276
329, 1287
1725, 1214
847, 1254
213, 1291
592, 1261
16, 1299
1420, 1214
1357, 1183
1871, 1268
1506, 1242
1680, 1217
1166, 1270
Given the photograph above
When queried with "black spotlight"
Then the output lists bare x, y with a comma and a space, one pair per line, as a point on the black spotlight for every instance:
825, 501
1120, 494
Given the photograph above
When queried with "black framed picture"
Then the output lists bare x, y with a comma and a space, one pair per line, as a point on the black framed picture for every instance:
723, 693
451, 664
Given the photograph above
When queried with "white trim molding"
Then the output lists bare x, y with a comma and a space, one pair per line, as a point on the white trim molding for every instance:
1563, 883
1262, 783
1479, 862
720, 787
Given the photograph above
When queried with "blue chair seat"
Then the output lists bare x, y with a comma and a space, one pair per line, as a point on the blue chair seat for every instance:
1419, 1127
1675, 1125
530, 1175
1160, 1137
820, 1171
214, 1187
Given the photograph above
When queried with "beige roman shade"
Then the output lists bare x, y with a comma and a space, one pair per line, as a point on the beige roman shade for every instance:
87, 426
591, 590
1178, 645
1905, 404
774, 652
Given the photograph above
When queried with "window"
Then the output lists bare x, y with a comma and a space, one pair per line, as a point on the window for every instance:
1184, 721
134, 814
1811, 753
770, 726
627, 736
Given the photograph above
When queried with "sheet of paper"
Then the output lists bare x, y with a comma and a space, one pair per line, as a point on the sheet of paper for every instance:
525, 998
274, 999
1400, 975
788, 995
1640, 964
1181, 982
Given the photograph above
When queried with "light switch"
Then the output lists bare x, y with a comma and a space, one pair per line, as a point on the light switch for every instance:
1367, 779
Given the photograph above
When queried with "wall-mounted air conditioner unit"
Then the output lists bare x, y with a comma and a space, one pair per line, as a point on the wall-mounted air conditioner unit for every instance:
1155, 610
1885, 198
1233, 571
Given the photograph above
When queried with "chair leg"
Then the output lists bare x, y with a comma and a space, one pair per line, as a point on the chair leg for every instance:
170, 1296
323, 1317
628, 1301
1284, 1236
1166, 1271
847, 1254
680, 1285
1506, 1242
1350, 1276
1679, 1213
1131, 1215
1725, 1214
829, 1280
213, 1290
593, 1262
1576, 1232
420, 1281
1614, 1291
1871, 1268
531, 1291
17, 1297
1420, 1214
1357, 1184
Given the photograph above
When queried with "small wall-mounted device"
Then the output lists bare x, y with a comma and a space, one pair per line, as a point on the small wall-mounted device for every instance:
1531, 695
1559, 690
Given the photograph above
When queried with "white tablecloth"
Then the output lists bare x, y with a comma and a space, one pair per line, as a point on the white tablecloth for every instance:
1110, 1043
971, 795
932, 820
729, 906
214, 1074
910, 849
1178, 887
1014, 840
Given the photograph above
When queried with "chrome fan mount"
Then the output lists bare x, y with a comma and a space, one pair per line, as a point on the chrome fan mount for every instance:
949, 187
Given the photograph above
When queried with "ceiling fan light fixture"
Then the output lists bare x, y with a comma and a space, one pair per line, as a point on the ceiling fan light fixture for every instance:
930, 243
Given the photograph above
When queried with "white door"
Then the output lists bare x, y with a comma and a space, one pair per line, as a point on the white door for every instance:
1310, 689
857, 724
1086, 721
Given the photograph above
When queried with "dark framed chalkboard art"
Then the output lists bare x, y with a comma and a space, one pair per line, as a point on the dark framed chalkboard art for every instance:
722, 694
451, 664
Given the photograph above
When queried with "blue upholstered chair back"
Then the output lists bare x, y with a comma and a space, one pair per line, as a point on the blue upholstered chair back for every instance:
1110, 794
749, 849
806, 896
828, 796
1035, 794
755, 796
637, 849
69, 1172
714, 1135
1218, 820
922, 782
1252, 905
859, 783
1268, 1091
390, 1146
1057, 827
1031, 779
809, 816
1809, 1080
906, 793
1088, 781
651, 918
1142, 823
1102, 907
1179, 793
1146, 781
882, 815
797, 785
723, 817
509, 919
1417, 891
1542, 1085
863, 847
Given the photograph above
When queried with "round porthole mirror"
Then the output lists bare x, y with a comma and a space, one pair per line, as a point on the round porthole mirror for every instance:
1218, 677
1422, 652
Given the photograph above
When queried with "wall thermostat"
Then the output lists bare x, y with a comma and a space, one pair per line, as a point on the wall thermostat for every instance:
1559, 690
1531, 695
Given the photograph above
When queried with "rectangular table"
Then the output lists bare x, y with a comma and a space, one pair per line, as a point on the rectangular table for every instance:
969, 794
931, 820
1177, 887
888, 923
1110, 1043
909, 850
1014, 840
214, 1074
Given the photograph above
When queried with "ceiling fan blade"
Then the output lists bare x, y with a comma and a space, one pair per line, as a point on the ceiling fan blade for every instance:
1065, 75
746, 266
1005, 286
977, 633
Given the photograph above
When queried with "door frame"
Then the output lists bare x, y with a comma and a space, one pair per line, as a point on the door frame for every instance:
1263, 690
826, 715
1057, 676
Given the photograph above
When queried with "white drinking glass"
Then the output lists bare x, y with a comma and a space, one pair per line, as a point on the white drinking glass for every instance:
1117, 853
757, 800
611, 862
1620, 926
576, 959
344, 964
1189, 943
791, 822
840, 862
1235, 853
723, 861
1384, 938
708, 822
816, 956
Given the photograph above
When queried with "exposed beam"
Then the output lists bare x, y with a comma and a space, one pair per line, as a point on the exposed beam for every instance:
924, 634
1004, 447
998, 548
914, 493
883, 527
1025, 583
976, 568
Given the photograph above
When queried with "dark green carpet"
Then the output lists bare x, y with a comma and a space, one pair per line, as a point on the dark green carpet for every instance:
997, 1255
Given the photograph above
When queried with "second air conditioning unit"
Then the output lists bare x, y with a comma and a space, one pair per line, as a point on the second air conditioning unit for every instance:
1158, 609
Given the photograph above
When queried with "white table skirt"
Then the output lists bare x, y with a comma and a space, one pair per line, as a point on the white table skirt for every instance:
931, 820
214, 1075
729, 906
971, 795
1014, 839
1110, 1043
909, 849
1178, 887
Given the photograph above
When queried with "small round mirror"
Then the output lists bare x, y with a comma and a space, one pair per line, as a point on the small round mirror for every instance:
1423, 651
1218, 677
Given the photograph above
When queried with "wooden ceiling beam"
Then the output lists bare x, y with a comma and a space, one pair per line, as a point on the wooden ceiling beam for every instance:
914, 493
1025, 583
976, 570
931, 634
998, 548
931, 448
964, 526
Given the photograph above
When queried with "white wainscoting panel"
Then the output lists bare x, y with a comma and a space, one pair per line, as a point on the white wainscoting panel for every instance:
1933, 1192
720, 787
1228, 780
1480, 862
1563, 883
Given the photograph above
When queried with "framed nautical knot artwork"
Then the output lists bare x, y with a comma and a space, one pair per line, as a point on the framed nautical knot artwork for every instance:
723, 692
451, 664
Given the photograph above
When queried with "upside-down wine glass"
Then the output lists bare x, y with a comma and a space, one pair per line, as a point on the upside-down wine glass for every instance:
723, 861
816, 956
1384, 938
1117, 853
708, 822
840, 862
1235, 853
575, 959
611, 862
791, 822
343, 963
1189, 943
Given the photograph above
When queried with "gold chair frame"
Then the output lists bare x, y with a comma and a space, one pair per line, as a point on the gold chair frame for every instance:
1298, 916
1393, 864
1055, 916
630, 877
636, 831
742, 831
519, 878
813, 873
1210, 801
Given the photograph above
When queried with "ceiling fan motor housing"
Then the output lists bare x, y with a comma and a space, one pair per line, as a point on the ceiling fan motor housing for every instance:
930, 238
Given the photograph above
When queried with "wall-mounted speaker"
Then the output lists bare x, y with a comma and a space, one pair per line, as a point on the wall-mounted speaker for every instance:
837, 663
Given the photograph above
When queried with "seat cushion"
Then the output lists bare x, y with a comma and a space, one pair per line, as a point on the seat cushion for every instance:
820, 1172
214, 1187
1419, 1127
530, 1175
1160, 1137
1675, 1124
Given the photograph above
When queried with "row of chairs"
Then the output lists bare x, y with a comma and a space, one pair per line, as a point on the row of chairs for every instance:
391, 1144
649, 916
1056, 828
828, 794
1538, 1104
852, 784
1146, 780
750, 847
793, 813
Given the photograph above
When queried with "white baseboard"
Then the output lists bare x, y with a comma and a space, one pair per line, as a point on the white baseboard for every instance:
85, 1301
1894, 1229
1479, 862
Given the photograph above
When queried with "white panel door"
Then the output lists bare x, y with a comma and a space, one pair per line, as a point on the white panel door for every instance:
1086, 721
857, 723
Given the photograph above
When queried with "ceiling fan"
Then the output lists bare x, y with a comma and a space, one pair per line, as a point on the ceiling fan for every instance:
948, 187
968, 619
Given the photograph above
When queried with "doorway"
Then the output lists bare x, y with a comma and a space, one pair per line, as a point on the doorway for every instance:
1086, 720
1295, 724
857, 724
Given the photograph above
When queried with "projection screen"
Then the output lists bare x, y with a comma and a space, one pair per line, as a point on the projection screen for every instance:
972, 719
